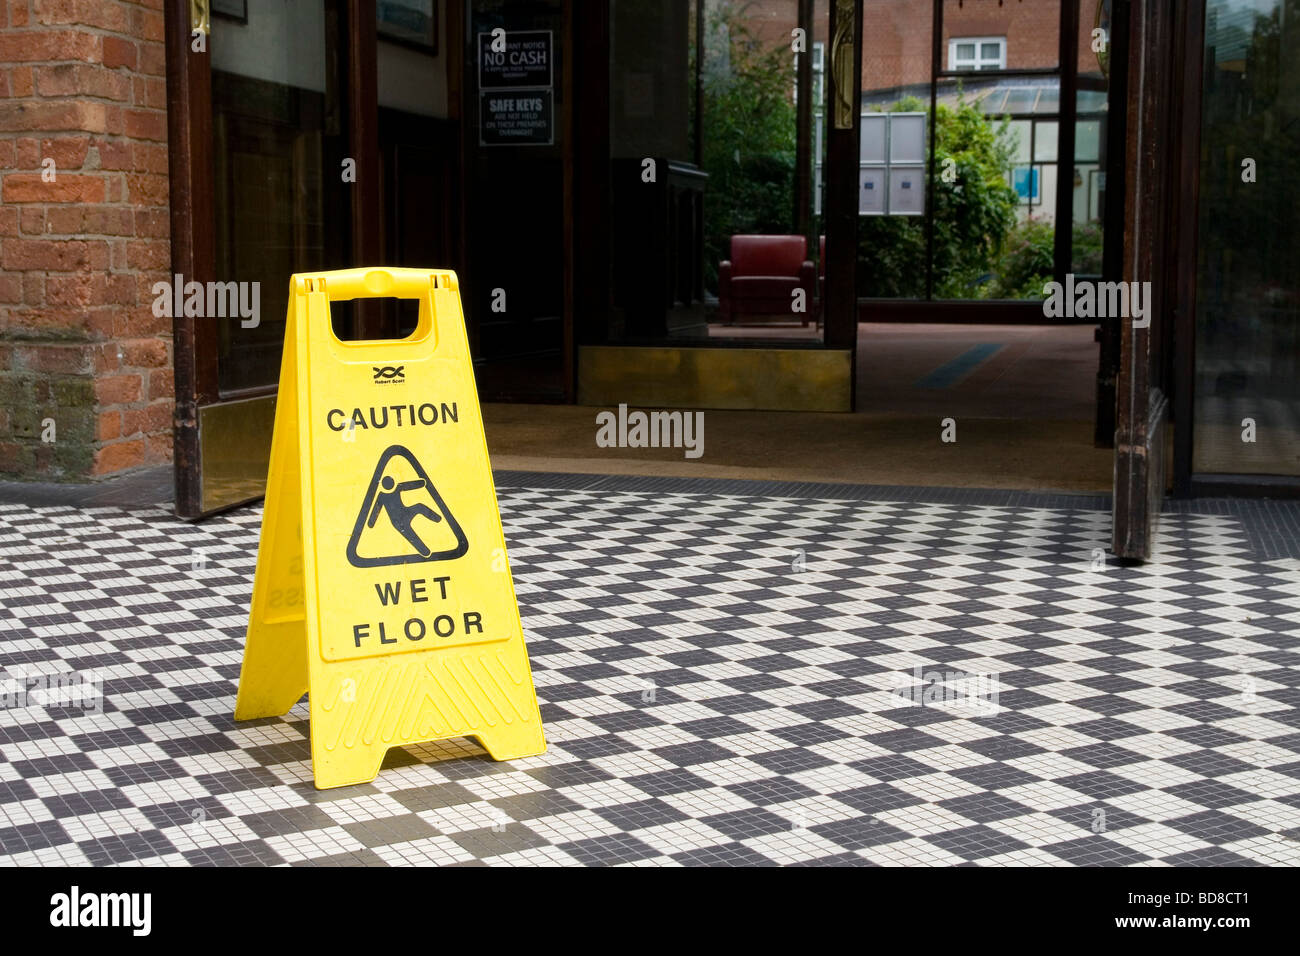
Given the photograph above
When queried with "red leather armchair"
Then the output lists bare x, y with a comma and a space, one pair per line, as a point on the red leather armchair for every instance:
761, 276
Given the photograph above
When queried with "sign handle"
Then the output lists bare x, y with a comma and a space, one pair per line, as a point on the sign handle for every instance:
377, 283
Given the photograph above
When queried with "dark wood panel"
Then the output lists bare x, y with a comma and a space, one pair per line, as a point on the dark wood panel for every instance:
361, 70
1142, 406
844, 85
189, 133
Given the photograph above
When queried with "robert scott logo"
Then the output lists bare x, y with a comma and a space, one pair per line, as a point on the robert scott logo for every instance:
75, 908
389, 374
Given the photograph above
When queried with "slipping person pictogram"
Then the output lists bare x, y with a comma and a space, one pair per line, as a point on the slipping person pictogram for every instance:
386, 506
400, 513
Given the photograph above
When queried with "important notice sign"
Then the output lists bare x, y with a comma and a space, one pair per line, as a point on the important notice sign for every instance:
382, 586
513, 60
516, 84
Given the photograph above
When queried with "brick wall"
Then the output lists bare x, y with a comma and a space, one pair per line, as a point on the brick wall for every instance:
1032, 29
896, 45
82, 84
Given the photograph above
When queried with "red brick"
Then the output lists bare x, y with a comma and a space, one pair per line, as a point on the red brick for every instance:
149, 420
158, 448
65, 220
108, 426
56, 115
33, 220
119, 456
109, 221
27, 46
55, 255
145, 124
54, 359
81, 79
146, 189
154, 223
119, 52
75, 290
149, 158
68, 152
139, 322
27, 153
118, 389
21, 81
148, 254
147, 24
11, 291
146, 353
161, 384
114, 155
91, 13
150, 92
33, 286
69, 187
11, 457
153, 59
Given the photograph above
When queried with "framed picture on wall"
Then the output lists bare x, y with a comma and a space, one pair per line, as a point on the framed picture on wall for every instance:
409, 22
231, 9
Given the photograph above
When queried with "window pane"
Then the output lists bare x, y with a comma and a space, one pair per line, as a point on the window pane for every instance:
1018, 136
993, 101
1087, 141
1021, 100
272, 132
1247, 385
896, 60
1045, 134
991, 51
965, 51
1032, 28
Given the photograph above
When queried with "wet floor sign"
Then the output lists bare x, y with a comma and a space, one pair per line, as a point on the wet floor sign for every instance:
382, 587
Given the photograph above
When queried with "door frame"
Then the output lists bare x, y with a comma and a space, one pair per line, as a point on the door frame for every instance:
1161, 167
192, 204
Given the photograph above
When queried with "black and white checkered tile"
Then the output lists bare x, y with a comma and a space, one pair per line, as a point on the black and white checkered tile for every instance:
724, 680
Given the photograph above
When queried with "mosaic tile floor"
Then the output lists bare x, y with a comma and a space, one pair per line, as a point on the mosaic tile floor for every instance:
724, 679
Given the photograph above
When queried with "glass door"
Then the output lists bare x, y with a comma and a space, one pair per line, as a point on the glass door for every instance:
1247, 361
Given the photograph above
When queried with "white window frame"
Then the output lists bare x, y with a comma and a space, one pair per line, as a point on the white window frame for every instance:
977, 64
818, 76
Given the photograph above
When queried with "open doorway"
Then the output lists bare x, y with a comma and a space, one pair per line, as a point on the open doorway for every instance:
985, 151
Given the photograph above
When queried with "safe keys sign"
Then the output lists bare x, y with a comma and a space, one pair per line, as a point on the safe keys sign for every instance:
382, 586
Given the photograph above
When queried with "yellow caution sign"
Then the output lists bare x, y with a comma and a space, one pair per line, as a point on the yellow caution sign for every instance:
382, 587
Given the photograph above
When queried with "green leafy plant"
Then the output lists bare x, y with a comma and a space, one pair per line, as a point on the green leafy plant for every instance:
1026, 263
749, 136
973, 213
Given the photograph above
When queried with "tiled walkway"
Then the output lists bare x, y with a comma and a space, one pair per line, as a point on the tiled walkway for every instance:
724, 678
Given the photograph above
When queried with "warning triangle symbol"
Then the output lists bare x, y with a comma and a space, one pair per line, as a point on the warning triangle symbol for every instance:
403, 519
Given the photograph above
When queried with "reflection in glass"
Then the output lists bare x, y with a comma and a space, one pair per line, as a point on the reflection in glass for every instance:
269, 119
1247, 390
